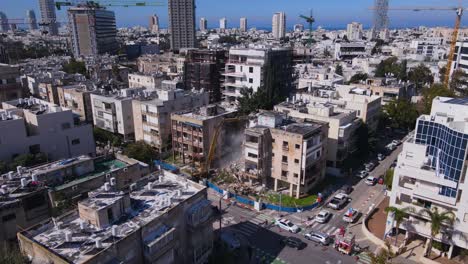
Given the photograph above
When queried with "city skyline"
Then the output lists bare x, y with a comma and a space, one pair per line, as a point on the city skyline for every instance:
328, 14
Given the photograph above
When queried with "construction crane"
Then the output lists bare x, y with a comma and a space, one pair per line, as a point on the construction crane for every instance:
310, 20
205, 167
105, 3
459, 13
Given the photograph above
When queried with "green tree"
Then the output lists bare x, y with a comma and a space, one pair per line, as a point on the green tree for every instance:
442, 72
251, 102
403, 72
104, 137
420, 76
141, 151
430, 93
75, 66
366, 140
384, 256
459, 82
228, 40
401, 113
3, 167
388, 178
399, 215
28, 160
387, 66
437, 219
326, 53
339, 69
356, 78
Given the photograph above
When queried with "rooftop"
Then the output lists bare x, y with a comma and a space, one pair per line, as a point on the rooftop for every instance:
458, 101
35, 106
301, 128
77, 241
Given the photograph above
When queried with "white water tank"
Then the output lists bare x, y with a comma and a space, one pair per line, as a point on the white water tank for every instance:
24, 182
149, 186
115, 231
113, 181
68, 236
98, 242
34, 177
107, 187
82, 225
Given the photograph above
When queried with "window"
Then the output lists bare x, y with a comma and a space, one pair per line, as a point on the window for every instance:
75, 141
250, 80
284, 159
295, 175
66, 126
143, 118
296, 161
285, 145
35, 149
272, 140
251, 69
110, 215
298, 146
8, 217
251, 155
284, 174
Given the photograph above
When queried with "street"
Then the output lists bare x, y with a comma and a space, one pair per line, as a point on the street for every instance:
250, 227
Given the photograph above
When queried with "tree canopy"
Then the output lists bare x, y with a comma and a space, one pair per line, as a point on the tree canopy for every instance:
430, 93
401, 114
391, 66
339, 69
421, 76
141, 151
75, 66
459, 82
356, 78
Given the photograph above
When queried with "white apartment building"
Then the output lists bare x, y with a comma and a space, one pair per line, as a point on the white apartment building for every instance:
312, 76
148, 81
245, 69
113, 111
203, 24
243, 24
35, 126
349, 51
431, 173
354, 31
460, 59
279, 25
152, 114
341, 125
223, 23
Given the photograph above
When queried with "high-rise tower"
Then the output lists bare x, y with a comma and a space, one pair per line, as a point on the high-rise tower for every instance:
243, 24
380, 16
3, 22
93, 31
32, 21
203, 24
49, 16
279, 25
182, 23
154, 24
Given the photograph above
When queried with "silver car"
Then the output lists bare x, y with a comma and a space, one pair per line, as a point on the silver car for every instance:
323, 216
318, 237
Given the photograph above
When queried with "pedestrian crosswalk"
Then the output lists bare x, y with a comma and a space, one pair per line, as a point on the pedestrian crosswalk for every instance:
324, 228
260, 219
246, 228
364, 258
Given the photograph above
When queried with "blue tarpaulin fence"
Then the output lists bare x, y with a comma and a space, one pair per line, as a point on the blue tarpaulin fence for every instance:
166, 166
274, 207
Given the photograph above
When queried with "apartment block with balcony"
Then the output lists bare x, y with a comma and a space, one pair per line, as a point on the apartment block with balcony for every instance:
23, 203
431, 173
164, 218
389, 88
341, 126
248, 68
152, 114
149, 81
349, 51
31, 125
77, 98
193, 131
114, 111
10, 85
299, 153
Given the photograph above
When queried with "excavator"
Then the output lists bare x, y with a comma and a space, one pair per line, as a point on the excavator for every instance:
205, 167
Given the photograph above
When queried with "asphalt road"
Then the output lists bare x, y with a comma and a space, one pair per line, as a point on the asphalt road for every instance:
248, 225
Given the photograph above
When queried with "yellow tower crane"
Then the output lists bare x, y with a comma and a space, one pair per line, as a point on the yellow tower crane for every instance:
459, 13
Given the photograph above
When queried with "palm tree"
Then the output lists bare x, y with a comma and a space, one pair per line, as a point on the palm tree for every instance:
398, 216
384, 256
437, 220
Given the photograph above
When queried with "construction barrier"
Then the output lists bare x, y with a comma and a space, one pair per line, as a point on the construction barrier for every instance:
274, 207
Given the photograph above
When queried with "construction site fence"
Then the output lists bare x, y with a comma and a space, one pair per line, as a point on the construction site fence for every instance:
247, 201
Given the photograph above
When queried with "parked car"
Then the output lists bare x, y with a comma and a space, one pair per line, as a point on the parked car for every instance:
323, 216
380, 156
370, 166
338, 201
362, 174
293, 242
318, 237
287, 225
391, 147
371, 180
347, 189
396, 142
350, 215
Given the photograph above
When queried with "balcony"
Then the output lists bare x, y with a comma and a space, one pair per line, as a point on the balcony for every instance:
426, 174
234, 74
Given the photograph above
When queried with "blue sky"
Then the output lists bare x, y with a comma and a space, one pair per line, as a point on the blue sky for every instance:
328, 13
